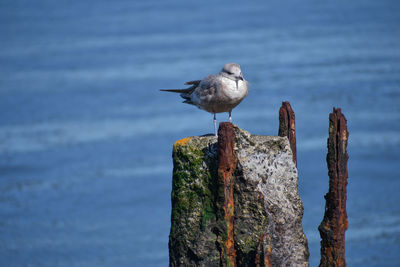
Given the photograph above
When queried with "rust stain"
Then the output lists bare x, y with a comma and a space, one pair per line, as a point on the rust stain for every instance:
229, 218
182, 142
263, 255
287, 126
226, 167
335, 223
267, 255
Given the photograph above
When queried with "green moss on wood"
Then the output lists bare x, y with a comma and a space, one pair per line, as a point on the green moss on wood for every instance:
192, 196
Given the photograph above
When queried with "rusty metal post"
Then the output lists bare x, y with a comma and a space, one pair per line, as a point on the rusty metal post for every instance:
226, 167
333, 226
287, 126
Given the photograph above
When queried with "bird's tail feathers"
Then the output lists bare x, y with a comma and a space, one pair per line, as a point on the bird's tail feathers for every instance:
182, 91
189, 90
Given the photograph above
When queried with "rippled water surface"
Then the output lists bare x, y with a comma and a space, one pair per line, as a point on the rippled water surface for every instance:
86, 137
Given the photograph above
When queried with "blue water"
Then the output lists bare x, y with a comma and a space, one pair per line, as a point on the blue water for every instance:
86, 137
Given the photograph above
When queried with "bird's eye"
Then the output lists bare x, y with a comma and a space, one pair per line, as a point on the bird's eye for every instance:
230, 73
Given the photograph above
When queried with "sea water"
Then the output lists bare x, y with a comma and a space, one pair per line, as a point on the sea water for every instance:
86, 136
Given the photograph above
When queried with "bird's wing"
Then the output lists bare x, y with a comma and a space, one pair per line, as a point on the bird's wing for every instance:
195, 83
207, 88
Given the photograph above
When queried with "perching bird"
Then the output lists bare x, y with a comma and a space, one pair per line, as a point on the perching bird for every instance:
217, 92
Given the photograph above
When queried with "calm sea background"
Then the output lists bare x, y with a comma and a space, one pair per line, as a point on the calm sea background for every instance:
86, 137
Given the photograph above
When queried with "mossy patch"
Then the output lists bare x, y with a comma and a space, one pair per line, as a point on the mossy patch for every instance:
192, 185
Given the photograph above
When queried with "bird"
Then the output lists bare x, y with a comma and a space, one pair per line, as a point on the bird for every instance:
216, 93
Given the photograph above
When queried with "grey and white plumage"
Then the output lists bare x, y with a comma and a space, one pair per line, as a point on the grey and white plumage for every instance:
217, 92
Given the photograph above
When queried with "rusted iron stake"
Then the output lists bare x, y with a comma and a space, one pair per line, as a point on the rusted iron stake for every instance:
333, 226
287, 127
226, 167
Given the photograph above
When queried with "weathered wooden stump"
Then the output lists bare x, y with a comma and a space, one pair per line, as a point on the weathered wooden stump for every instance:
333, 226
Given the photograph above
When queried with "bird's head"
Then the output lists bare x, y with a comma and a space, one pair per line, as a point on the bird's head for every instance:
232, 71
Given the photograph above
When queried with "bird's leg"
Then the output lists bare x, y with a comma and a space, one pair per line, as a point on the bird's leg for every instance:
230, 117
215, 125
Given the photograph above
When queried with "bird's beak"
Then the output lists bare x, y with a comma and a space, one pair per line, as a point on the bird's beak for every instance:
240, 78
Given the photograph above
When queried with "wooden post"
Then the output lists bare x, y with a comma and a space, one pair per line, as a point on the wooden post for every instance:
333, 226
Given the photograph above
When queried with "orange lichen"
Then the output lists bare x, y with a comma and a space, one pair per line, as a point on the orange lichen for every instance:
182, 142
